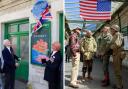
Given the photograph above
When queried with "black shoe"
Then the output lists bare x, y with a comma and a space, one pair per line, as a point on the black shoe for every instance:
103, 81
115, 87
105, 84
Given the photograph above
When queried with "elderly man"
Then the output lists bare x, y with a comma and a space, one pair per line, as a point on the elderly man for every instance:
75, 56
53, 67
9, 64
117, 47
88, 48
104, 52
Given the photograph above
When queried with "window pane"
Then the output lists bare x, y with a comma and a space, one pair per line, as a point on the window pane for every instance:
13, 40
24, 27
13, 28
24, 45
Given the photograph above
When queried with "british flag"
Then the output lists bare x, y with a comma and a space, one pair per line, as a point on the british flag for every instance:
37, 26
46, 13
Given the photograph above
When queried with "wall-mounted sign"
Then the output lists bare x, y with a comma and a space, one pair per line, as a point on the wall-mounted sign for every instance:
40, 42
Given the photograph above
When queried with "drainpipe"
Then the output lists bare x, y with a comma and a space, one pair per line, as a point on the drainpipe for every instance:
127, 31
119, 21
83, 28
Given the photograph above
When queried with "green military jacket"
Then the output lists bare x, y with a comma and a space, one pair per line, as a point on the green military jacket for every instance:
117, 43
104, 43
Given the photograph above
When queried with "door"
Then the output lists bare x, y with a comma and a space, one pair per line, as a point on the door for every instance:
18, 33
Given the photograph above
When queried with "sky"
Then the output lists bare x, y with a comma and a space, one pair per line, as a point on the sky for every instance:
72, 12
75, 11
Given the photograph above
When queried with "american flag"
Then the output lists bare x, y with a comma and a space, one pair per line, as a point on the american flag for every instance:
95, 9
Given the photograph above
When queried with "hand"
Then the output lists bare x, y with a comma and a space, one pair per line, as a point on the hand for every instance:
17, 64
43, 60
19, 59
102, 54
74, 57
39, 60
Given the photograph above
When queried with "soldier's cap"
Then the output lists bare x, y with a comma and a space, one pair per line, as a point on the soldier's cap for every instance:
89, 32
115, 27
77, 30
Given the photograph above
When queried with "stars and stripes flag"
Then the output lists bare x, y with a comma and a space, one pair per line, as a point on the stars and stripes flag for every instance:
95, 9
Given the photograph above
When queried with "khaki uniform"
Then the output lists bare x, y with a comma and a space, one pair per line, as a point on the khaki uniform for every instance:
74, 47
116, 46
88, 48
104, 48
75, 69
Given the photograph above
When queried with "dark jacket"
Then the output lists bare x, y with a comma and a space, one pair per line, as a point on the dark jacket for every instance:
53, 70
9, 60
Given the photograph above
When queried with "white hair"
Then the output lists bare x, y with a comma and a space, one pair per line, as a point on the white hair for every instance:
57, 45
5, 42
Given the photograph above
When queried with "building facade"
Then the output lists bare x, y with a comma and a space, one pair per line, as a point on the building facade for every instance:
16, 22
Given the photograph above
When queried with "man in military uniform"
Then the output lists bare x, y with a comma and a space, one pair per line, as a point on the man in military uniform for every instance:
74, 48
104, 52
88, 48
116, 46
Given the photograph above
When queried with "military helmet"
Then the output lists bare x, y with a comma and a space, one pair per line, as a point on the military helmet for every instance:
115, 27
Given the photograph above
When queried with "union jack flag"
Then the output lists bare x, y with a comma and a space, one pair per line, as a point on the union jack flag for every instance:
37, 26
46, 13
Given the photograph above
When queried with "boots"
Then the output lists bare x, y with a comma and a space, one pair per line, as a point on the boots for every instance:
89, 73
89, 76
106, 80
83, 73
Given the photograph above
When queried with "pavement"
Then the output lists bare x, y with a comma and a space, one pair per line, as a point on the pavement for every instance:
20, 85
97, 75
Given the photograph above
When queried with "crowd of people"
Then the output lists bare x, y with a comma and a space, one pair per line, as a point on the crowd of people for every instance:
108, 43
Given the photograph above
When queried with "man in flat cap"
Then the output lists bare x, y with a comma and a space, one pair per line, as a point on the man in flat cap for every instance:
117, 47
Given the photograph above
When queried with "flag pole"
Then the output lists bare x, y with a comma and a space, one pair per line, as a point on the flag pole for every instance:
83, 28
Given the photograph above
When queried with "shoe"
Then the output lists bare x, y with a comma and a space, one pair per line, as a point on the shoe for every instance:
106, 77
78, 81
82, 80
105, 84
74, 86
103, 81
90, 78
115, 87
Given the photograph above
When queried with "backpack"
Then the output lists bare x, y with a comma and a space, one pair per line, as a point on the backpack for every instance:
123, 53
